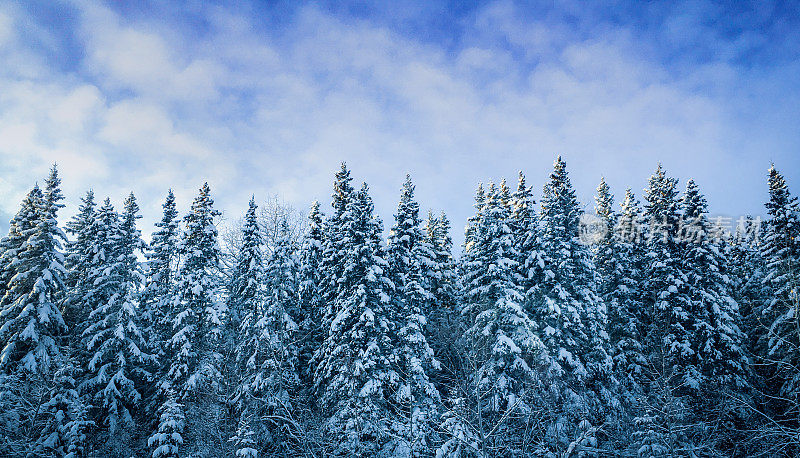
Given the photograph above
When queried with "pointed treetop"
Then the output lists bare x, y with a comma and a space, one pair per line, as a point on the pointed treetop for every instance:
504, 193
170, 211
363, 194
660, 195
629, 202
559, 164
480, 197
88, 198
443, 219
342, 190
604, 200
694, 204
315, 216
407, 192
131, 207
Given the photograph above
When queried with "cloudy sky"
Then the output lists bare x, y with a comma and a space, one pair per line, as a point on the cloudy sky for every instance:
268, 98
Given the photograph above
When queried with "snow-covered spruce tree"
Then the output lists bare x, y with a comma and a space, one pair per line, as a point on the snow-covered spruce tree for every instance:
282, 280
13, 393
443, 274
525, 236
193, 349
246, 303
245, 441
618, 257
670, 321
606, 249
13, 245
355, 378
471, 232
158, 296
267, 353
65, 417
310, 293
168, 439
78, 262
41, 413
244, 286
672, 371
31, 319
411, 258
570, 316
747, 272
441, 313
718, 336
781, 252
336, 244
503, 349
158, 299
620, 261
118, 355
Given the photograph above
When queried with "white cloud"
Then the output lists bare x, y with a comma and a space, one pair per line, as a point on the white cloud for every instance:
6, 29
152, 105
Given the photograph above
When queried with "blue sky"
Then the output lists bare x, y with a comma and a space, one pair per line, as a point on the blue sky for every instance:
267, 98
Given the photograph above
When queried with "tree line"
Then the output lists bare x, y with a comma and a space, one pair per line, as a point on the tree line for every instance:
659, 336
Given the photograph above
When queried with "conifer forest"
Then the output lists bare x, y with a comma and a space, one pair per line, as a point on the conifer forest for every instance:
634, 326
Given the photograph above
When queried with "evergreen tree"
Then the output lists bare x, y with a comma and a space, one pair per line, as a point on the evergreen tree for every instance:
31, 319
570, 316
606, 249
64, 417
268, 352
244, 289
500, 333
355, 378
194, 360
718, 336
167, 441
335, 246
443, 320
78, 262
311, 292
13, 245
473, 223
244, 441
443, 274
781, 253
747, 272
410, 260
41, 412
13, 402
525, 236
673, 374
158, 302
193, 350
620, 259
158, 296
118, 355
671, 322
